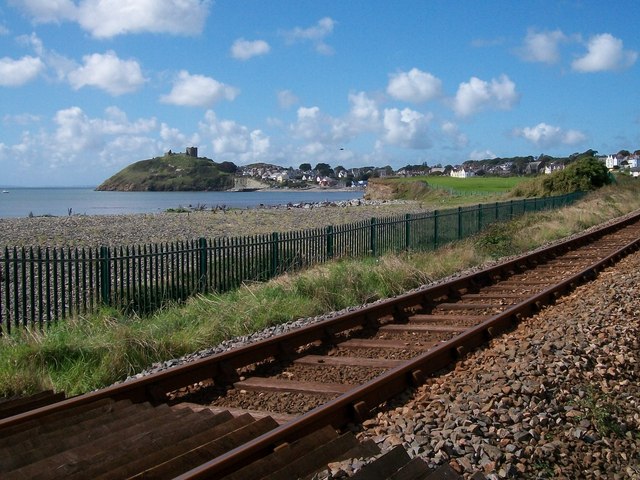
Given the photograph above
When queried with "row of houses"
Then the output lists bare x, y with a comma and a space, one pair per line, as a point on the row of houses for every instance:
358, 176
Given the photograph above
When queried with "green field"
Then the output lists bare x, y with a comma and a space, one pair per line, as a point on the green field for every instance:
473, 184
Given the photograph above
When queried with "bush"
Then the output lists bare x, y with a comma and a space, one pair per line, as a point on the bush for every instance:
584, 175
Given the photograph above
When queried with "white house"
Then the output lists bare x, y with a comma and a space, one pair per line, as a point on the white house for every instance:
461, 173
611, 161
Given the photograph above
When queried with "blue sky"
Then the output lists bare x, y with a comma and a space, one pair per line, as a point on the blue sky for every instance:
90, 86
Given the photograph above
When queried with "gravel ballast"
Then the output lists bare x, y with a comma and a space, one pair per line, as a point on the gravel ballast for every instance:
558, 397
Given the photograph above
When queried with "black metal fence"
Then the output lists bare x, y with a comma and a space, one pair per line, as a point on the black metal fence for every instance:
39, 286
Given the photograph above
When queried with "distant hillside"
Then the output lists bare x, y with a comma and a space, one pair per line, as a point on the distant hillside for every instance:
174, 172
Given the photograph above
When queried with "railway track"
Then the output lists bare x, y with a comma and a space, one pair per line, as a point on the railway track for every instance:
268, 408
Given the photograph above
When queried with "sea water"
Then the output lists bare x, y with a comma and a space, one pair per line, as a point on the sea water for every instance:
25, 202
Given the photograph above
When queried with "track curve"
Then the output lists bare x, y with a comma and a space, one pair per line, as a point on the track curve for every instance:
402, 341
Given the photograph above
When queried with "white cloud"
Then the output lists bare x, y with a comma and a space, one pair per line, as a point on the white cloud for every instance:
605, 52
232, 141
108, 18
75, 129
451, 130
310, 124
542, 46
482, 155
20, 119
476, 95
45, 11
109, 73
414, 86
244, 49
315, 34
315, 126
54, 61
406, 128
14, 73
74, 143
544, 135
287, 99
364, 114
198, 91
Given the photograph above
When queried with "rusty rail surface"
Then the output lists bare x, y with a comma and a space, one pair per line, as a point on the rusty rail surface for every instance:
359, 402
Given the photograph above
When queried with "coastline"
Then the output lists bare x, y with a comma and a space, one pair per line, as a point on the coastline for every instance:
149, 228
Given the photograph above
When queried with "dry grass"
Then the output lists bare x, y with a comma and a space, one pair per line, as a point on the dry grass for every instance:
86, 353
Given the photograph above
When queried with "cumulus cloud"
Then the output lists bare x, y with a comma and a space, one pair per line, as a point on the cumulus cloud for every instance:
414, 86
72, 138
14, 73
363, 110
287, 99
198, 91
314, 34
310, 124
605, 52
476, 95
406, 128
79, 132
108, 18
452, 131
542, 46
233, 141
109, 73
245, 49
544, 135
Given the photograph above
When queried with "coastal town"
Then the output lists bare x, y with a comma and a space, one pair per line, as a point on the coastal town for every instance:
324, 175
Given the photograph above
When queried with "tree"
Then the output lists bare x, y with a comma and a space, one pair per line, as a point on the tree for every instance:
227, 167
324, 169
623, 153
305, 167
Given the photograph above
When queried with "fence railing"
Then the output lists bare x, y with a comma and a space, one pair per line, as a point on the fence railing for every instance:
40, 286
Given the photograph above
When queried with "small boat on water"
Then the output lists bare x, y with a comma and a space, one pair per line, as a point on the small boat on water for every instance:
5, 191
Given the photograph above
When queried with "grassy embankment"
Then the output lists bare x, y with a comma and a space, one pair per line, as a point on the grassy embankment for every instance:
85, 353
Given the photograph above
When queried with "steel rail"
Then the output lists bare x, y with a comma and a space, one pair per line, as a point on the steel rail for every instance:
153, 388
358, 403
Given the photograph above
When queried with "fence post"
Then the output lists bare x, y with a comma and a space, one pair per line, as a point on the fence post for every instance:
329, 241
435, 229
479, 217
275, 260
105, 275
497, 212
203, 282
407, 231
373, 237
459, 223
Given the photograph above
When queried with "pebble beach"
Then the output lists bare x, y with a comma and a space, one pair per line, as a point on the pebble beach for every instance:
123, 230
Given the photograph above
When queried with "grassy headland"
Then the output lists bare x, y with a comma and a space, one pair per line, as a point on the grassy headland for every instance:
84, 353
173, 172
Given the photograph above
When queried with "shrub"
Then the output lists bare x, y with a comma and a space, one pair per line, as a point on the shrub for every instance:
584, 175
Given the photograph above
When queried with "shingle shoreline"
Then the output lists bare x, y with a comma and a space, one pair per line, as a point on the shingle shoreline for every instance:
116, 230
